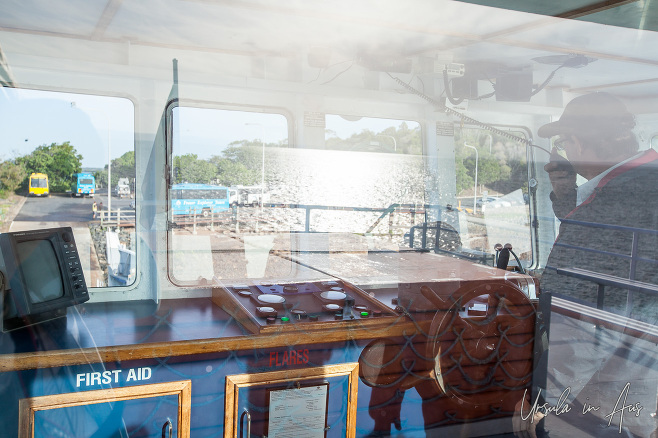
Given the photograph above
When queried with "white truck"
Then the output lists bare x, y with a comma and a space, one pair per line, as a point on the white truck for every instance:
122, 188
247, 195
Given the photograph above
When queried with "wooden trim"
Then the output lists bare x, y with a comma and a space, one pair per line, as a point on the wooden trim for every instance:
237, 381
27, 407
57, 358
593, 8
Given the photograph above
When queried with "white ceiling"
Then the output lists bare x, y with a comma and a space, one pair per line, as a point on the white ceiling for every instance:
234, 34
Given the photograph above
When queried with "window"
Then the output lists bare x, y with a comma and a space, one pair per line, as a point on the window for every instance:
492, 191
213, 231
330, 190
62, 135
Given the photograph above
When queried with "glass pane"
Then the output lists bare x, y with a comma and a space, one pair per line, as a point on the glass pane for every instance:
323, 412
226, 168
57, 152
492, 191
144, 417
338, 176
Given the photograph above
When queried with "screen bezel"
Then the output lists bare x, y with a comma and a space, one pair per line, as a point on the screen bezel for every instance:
17, 302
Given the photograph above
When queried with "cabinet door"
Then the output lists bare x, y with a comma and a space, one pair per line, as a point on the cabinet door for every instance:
136, 411
315, 402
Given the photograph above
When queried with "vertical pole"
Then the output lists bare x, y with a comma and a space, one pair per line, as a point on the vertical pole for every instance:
475, 185
390, 225
308, 219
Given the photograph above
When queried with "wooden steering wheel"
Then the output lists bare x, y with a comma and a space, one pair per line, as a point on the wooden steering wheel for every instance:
481, 339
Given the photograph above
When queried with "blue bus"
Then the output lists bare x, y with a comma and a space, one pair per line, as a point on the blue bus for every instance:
84, 184
203, 199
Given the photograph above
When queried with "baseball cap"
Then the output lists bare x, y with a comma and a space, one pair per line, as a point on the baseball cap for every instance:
590, 114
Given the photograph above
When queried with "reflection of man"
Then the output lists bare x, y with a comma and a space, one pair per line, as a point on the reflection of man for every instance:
595, 134
595, 140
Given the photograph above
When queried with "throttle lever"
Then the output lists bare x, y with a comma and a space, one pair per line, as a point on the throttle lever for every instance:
502, 255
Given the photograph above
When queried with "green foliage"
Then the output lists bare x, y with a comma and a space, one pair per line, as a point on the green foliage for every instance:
122, 167
101, 178
190, 169
501, 162
240, 164
489, 169
400, 140
58, 161
12, 176
464, 179
249, 153
502, 165
232, 173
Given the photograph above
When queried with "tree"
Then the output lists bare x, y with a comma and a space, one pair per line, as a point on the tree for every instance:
400, 140
247, 152
489, 169
12, 176
189, 168
241, 163
122, 167
58, 161
101, 178
233, 173
464, 180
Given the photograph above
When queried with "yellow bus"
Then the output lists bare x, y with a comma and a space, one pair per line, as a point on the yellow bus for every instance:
38, 185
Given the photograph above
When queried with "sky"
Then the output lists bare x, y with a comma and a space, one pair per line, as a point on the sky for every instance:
30, 118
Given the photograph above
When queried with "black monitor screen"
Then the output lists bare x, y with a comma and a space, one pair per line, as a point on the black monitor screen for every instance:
40, 268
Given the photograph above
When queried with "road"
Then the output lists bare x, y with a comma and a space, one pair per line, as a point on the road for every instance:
65, 209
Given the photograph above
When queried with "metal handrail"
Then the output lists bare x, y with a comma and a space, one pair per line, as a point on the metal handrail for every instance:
602, 279
387, 211
117, 217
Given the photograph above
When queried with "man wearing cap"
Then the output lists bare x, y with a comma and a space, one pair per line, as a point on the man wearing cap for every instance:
594, 139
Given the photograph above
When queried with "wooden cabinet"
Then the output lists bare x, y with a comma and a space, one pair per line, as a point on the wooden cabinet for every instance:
178, 395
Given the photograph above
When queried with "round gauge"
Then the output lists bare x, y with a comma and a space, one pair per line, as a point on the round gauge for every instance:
271, 299
337, 288
332, 307
244, 293
333, 295
267, 309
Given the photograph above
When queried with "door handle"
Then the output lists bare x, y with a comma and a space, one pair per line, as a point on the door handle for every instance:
248, 415
166, 426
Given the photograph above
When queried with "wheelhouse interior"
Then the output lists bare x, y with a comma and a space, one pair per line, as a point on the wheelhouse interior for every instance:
380, 147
